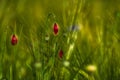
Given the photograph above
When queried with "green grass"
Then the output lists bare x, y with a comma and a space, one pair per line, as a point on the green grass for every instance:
89, 53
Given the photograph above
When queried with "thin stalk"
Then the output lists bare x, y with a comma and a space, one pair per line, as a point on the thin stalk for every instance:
78, 8
11, 72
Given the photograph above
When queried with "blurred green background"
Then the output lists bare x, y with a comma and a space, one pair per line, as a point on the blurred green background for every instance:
91, 52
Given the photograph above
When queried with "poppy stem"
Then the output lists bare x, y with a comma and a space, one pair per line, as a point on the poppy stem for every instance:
11, 72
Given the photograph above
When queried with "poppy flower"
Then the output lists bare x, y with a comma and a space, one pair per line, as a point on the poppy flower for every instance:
60, 54
14, 39
55, 28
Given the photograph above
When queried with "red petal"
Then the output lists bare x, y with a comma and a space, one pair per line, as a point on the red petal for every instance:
55, 28
60, 53
14, 40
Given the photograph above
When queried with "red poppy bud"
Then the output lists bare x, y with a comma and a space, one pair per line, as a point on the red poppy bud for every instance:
60, 54
55, 28
14, 39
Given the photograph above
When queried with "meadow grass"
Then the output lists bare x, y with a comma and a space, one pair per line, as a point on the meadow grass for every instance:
89, 36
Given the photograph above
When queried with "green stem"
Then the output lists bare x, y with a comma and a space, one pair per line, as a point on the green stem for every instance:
11, 73
78, 8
